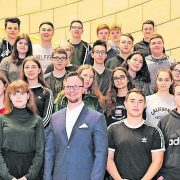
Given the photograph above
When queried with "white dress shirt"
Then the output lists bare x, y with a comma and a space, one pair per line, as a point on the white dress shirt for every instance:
71, 117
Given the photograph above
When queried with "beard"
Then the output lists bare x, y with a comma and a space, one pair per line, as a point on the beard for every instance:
73, 100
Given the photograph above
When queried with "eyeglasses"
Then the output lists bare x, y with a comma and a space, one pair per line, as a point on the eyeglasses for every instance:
116, 78
76, 27
56, 58
176, 70
100, 52
72, 87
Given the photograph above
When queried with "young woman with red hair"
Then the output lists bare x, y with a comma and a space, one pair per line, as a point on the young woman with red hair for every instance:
21, 135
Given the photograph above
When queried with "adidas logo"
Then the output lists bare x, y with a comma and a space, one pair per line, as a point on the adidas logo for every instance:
174, 142
144, 140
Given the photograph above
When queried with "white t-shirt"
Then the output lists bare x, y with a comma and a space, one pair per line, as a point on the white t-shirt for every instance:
43, 55
157, 107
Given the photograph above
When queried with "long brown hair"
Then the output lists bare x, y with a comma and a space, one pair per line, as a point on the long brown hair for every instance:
40, 75
170, 75
94, 88
15, 53
14, 87
112, 92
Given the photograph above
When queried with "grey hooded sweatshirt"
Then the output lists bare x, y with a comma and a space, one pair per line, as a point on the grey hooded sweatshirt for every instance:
155, 64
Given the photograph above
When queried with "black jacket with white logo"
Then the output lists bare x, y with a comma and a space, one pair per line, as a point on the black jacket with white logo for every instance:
170, 126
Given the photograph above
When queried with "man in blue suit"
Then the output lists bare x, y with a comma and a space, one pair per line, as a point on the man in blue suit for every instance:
76, 147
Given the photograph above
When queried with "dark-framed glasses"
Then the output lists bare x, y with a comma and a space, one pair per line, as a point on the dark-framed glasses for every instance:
176, 70
61, 59
116, 78
72, 87
76, 27
100, 52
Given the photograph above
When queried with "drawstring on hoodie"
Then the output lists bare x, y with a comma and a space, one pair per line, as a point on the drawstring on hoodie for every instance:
7, 50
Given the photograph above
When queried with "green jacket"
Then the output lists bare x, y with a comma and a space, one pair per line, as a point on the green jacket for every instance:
23, 132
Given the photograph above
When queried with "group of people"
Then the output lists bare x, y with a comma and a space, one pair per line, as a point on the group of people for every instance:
76, 111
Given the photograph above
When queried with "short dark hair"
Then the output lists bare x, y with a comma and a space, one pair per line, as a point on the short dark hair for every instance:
48, 23
73, 74
136, 90
148, 22
12, 20
76, 21
99, 43
129, 36
59, 50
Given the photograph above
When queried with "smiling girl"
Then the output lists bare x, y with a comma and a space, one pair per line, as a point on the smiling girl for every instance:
33, 75
11, 66
138, 70
160, 103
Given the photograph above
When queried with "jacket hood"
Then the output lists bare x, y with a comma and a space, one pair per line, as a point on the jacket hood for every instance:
4, 41
150, 58
175, 113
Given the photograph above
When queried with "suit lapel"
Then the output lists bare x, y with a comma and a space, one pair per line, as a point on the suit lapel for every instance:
64, 123
79, 121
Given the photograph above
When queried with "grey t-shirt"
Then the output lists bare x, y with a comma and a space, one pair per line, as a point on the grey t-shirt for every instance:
157, 107
43, 55
10, 69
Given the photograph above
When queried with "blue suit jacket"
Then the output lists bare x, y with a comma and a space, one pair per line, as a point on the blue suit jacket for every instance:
84, 155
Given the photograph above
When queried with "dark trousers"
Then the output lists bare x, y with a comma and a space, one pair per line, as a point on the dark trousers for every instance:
19, 163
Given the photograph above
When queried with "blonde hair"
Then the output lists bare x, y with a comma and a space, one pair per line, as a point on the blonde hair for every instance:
115, 27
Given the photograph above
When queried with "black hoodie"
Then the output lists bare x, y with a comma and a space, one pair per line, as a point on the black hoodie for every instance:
170, 126
5, 49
